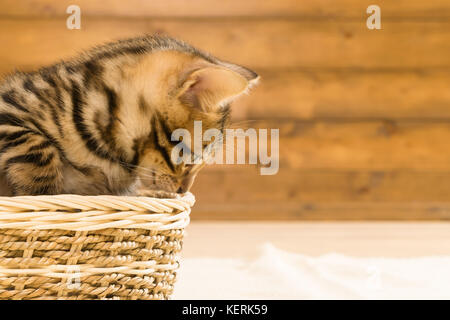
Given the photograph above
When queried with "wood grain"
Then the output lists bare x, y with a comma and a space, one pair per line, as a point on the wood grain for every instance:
214, 8
362, 145
347, 94
325, 186
322, 195
260, 44
273, 211
363, 115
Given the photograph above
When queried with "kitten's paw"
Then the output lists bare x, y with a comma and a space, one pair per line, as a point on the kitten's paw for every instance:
157, 194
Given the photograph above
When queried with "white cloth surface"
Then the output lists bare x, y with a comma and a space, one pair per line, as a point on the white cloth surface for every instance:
277, 274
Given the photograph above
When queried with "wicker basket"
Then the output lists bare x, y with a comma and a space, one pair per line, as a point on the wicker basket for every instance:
90, 247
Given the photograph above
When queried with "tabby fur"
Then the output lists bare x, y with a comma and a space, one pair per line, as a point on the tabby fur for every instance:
102, 123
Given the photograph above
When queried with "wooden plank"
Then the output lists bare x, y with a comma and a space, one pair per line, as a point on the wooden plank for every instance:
322, 195
247, 186
253, 43
374, 211
216, 8
362, 145
347, 94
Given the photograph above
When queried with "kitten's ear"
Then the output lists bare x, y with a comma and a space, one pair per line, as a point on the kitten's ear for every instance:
212, 87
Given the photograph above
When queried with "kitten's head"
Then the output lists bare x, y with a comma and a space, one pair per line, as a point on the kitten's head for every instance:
177, 86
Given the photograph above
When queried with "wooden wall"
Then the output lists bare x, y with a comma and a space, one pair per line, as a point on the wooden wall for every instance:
364, 115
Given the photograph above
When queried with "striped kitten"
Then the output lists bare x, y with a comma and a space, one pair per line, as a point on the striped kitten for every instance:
101, 124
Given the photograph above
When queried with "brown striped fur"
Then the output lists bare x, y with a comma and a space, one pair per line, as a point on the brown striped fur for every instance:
101, 124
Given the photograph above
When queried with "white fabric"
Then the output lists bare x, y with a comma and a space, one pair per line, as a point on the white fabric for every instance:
277, 274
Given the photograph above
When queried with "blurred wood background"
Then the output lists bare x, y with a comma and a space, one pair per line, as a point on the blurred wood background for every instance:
364, 115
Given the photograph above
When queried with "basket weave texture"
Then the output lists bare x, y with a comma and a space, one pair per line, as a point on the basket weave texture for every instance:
90, 247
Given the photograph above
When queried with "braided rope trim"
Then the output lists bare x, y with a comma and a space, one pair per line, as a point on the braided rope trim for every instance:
78, 271
88, 213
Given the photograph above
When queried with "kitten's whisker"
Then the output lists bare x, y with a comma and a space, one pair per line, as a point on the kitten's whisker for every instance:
139, 167
154, 177
143, 179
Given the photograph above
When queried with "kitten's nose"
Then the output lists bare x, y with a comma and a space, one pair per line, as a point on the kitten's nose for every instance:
186, 184
181, 190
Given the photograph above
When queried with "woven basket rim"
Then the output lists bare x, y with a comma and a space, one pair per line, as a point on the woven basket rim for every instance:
85, 213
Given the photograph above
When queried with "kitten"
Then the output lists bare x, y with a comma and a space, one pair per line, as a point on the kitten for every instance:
102, 123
